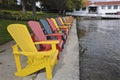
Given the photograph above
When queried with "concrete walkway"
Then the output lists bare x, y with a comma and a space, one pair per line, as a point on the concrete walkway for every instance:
66, 69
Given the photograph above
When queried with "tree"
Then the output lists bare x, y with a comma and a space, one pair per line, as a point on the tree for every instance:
32, 3
69, 4
83, 2
77, 4
62, 4
34, 7
23, 6
8, 2
5, 2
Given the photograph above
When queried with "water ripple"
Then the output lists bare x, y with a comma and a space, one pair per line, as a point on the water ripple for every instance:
101, 61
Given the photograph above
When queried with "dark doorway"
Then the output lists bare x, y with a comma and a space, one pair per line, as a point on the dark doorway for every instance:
92, 10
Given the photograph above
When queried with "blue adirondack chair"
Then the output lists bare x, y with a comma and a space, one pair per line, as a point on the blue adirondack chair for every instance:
58, 22
48, 30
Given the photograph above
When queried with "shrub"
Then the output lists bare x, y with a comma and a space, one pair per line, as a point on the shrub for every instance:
17, 15
5, 14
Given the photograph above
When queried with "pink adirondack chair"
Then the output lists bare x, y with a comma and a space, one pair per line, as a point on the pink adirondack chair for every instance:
38, 35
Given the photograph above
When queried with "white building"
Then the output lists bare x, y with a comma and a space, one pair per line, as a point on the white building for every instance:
106, 8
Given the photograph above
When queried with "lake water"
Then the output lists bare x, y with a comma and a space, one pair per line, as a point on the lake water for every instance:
101, 41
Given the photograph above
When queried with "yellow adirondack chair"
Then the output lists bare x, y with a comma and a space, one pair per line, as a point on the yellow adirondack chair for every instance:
36, 60
63, 23
59, 27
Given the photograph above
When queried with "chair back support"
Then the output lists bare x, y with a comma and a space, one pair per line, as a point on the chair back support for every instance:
46, 26
56, 25
61, 20
22, 37
37, 30
52, 25
58, 21
39, 34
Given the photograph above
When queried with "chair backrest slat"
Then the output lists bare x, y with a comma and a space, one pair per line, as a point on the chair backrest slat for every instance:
37, 30
56, 25
22, 37
46, 26
52, 25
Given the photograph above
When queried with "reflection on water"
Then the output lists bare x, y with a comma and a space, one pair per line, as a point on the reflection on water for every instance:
101, 61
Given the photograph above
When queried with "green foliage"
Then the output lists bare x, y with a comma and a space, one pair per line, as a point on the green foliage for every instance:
18, 15
4, 35
69, 4
5, 14
62, 4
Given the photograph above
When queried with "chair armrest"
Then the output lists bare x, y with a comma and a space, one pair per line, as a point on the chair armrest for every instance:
52, 42
47, 42
39, 53
57, 31
55, 34
64, 27
67, 23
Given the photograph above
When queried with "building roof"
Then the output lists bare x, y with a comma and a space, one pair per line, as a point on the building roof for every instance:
108, 3
102, 3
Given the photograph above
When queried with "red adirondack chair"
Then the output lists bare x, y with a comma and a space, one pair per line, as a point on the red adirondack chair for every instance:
38, 35
55, 30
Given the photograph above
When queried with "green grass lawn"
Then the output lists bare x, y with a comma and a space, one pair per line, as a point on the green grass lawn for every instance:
4, 35
10, 17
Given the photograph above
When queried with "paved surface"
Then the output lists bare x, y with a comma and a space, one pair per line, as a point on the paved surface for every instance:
66, 69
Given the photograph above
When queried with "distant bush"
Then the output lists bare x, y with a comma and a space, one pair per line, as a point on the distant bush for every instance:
5, 14
18, 15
